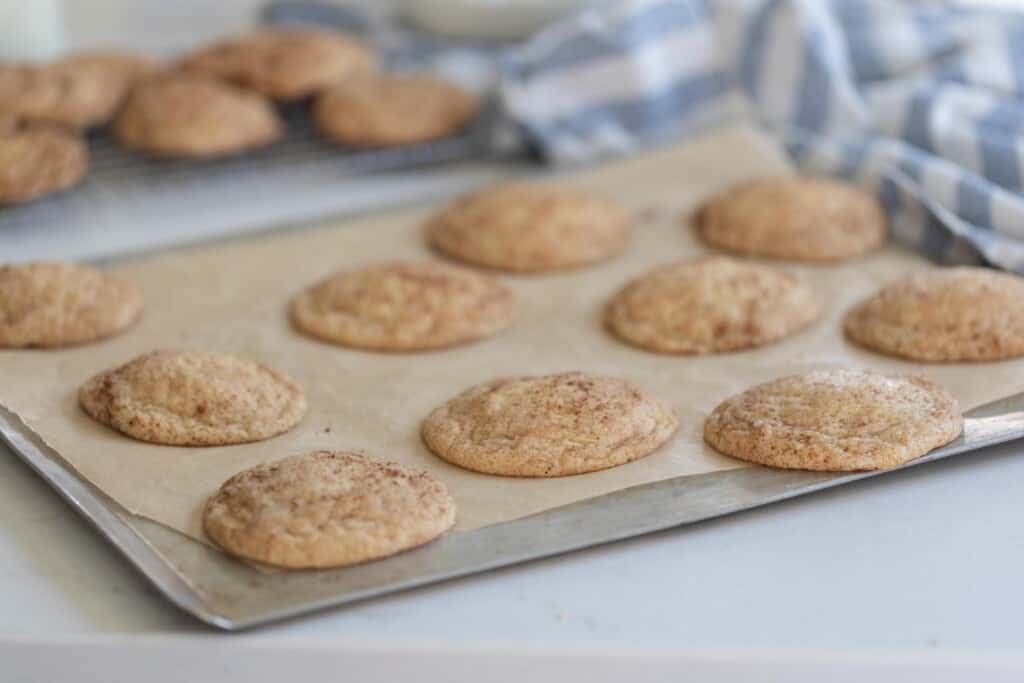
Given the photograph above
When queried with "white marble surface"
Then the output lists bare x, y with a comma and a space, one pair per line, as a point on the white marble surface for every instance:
911, 575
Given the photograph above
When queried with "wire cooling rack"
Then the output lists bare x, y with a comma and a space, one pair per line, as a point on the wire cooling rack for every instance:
300, 177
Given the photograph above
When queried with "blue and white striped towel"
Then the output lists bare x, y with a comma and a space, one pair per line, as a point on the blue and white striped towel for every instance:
921, 101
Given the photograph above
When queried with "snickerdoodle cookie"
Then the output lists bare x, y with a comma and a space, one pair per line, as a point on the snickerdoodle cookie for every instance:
130, 67
51, 305
37, 159
710, 305
327, 509
194, 398
284, 64
378, 111
835, 420
530, 227
947, 315
404, 307
549, 426
66, 94
799, 219
194, 116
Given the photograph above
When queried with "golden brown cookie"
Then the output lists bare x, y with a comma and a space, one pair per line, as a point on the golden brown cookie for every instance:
948, 315
38, 159
835, 420
193, 116
530, 227
67, 94
710, 305
130, 67
379, 111
549, 426
61, 304
798, 219
404, 307
284, 64
194, 398
27, 91
327, 509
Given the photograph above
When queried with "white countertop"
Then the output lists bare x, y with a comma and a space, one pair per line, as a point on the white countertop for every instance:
914, 572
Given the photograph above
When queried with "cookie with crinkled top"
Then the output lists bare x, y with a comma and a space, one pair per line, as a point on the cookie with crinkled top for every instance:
284, 64
530, 227
549, 426
38, 159
835, 420
794, 218
404, 307
327, 509
189, 116
194, 398
381, 111
50, 305
710, 305
943, 316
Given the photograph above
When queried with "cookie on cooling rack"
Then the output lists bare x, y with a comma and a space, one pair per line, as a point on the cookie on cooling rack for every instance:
189, 116
194, 398
327, 509
37, 159
549, 426
794, 218
382, 111
284, 64
835, 420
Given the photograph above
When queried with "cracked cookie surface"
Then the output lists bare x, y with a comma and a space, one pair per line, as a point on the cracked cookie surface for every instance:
549, 426
327, 509
835, 420
404, 306
194, 398
943, 316
710, 305
54, 304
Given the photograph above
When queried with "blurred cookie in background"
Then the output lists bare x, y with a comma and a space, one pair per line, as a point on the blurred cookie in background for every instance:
284, 64
794, 219
192, 116
386, 110
37, 159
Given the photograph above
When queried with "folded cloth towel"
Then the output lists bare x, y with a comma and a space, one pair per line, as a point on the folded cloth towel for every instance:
921, 101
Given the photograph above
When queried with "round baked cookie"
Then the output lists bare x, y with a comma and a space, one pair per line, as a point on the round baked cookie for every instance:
49, 305
194, 398
130, 67
194, 117
947, 315
549, 426
710, 305
66, 94
793, 218
327, 509
284, 64
27, 90
836, 421
404, 307
38, 159
530, 227
379, 111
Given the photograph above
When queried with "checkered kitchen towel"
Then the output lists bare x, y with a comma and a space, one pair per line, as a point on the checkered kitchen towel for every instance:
921, 101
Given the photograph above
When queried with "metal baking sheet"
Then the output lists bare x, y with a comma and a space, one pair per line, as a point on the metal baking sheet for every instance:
232, 595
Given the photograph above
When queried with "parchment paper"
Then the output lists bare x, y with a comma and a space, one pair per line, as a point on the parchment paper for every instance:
233, 297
